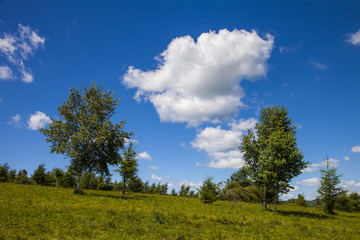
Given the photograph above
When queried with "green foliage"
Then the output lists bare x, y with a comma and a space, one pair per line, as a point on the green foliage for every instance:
173, 192
128, 165
209, 191
84, 132
329, 189
348, 202
234, 191
4, 172
242, 177
184, 191
38, 212
39, 176
301, 200
271, 152
21, 177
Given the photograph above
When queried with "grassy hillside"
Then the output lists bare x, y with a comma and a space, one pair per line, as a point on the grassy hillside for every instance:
36, 212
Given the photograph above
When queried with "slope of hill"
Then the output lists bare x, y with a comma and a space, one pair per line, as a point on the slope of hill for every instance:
37, 212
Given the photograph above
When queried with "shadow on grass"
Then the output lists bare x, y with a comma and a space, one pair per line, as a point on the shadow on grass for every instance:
304, 214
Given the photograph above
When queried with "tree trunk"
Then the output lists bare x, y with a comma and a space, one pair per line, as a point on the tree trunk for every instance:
276, 201
123, 187
78, 190
264, 199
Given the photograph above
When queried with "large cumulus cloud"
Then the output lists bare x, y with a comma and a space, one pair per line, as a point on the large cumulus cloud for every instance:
199, 81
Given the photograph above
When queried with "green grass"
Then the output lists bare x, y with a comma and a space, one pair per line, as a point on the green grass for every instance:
36, 212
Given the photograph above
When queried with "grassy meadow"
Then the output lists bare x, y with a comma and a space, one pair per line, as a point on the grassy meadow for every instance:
38, 212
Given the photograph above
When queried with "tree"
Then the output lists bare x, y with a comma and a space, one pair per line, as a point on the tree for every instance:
209, 191
128, 165
242, 177
301, 200
329, 189
39, 175
84, 132
173, 192
58, 174
271, 152
22, 177
4, 172
184, 191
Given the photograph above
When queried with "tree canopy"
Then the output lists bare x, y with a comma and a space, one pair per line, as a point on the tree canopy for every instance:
84, 132
271, 152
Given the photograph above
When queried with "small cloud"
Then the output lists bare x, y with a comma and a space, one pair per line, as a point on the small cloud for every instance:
154, 168
183, 144
354, 38
38, 120
319, 65
355, 149
16, 48
15, 120
299, 126
285, 84
158, 178
284, 49
144, 155
190, 183
346, 158
310, 182
352, 183
198, 164
6, 73
333, 163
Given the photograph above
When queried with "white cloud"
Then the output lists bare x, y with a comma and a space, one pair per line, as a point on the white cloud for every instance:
287, 196
144, 155
333, 163
352, 183
15, 120
198, 81
38, 120
319, 65
221, 144
354, 38
355, 149
310, 182
18, 47
190, 183
5, 73
154, 168
158, 178
346, 158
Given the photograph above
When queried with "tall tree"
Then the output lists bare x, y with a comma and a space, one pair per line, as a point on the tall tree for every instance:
271, 152
128, 165
329, 188
84, 132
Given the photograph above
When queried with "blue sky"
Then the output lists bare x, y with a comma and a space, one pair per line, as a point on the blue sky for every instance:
192, 76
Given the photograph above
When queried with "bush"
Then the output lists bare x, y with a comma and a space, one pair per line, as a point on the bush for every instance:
209, 191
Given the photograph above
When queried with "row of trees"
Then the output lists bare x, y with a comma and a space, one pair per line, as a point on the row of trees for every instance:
85, 134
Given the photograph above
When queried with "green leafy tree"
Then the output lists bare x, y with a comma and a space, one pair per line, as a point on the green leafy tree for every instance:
128, 165
209, 191
88, 181
329, 189
39, 175
271, 152
135, 184
184, 191
22, 177
173, 192
242, 176
58, 174
4, 172
84, 132
301, 200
